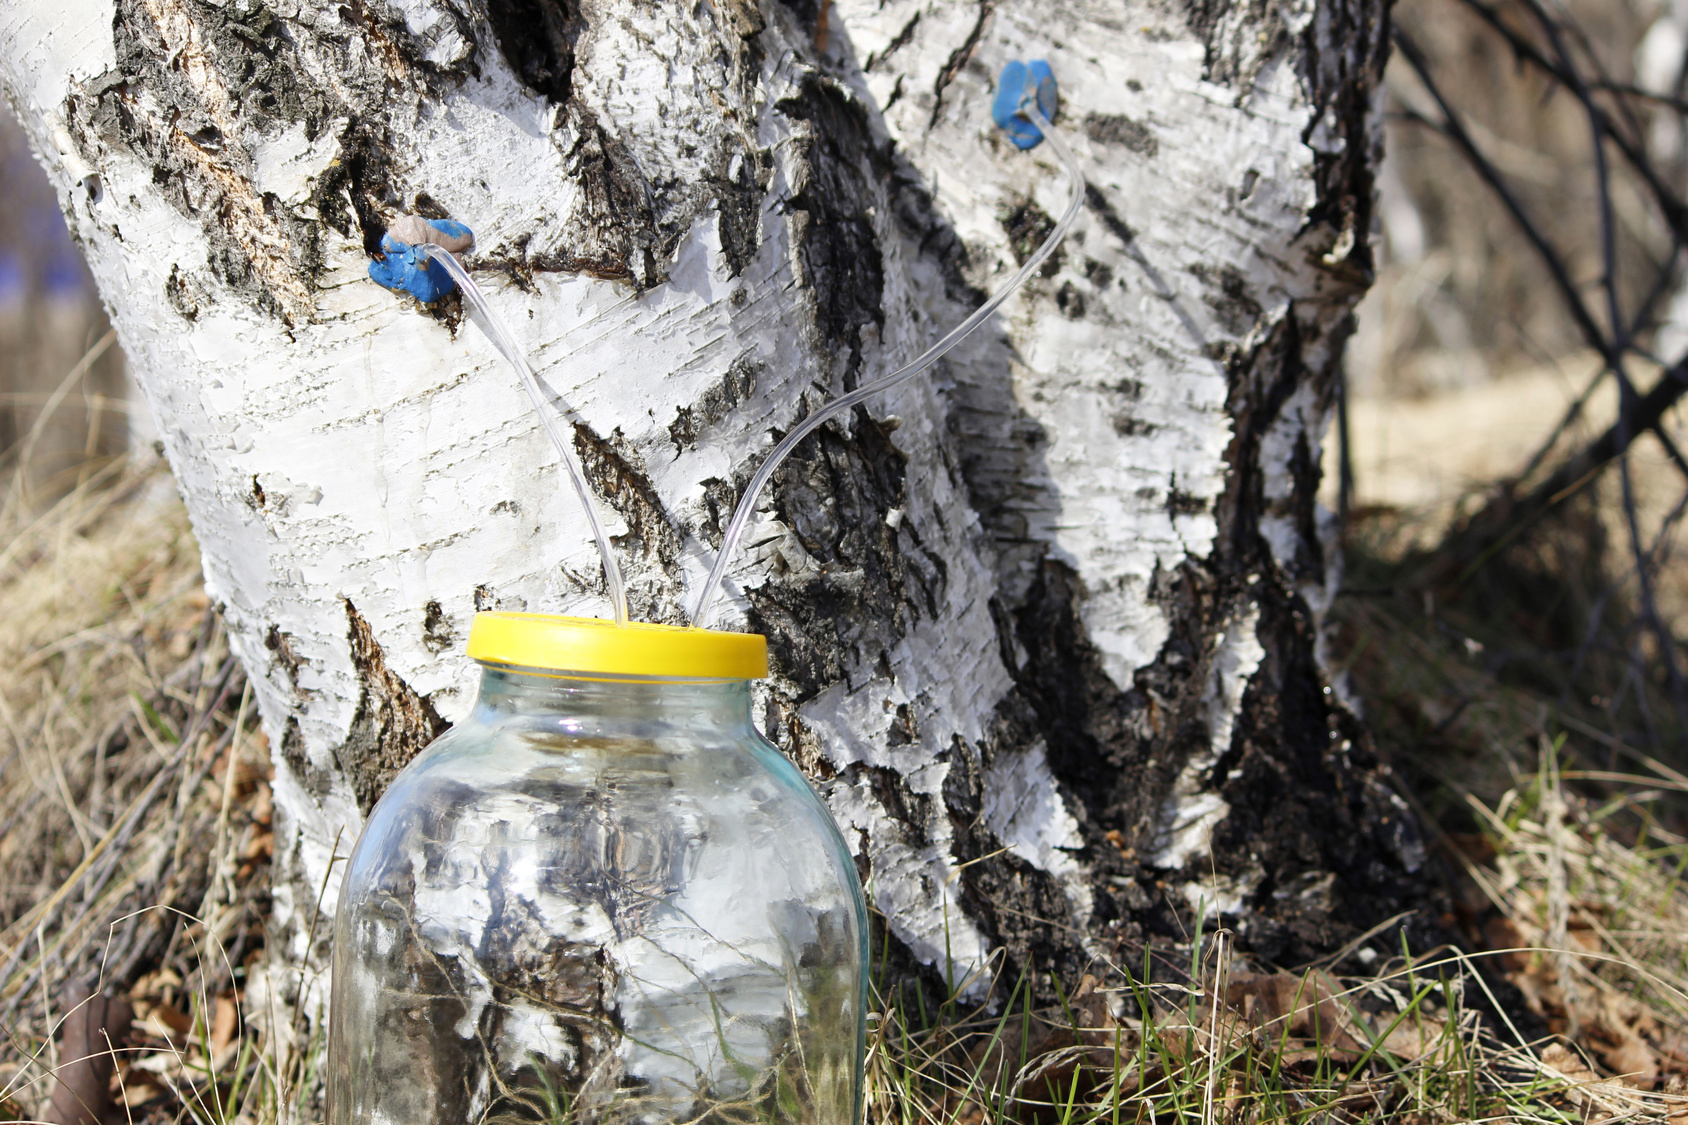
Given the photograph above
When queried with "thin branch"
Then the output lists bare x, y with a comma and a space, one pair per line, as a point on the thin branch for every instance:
1456, 132
1674, 210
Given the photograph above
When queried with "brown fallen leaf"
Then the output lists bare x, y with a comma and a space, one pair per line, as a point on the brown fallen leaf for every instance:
154, 986
1415, 1036
1308, 1006
94, 1027
1567, 1062
1599, 1100
166, 1021
261, 846
1501, 932
224, 1023
1676, 1101
1621, 1030
262, 809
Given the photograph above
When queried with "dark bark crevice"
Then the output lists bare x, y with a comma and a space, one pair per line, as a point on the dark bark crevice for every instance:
392, 722
959, 58
536, 38
652, 540
1239, 37
861, 592
835, 175
717, 403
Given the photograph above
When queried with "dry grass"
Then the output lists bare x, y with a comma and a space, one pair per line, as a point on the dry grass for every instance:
110, 644
1585, 921
134, 788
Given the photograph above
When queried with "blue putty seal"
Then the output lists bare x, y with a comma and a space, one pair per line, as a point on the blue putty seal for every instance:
1024, 84
407, 269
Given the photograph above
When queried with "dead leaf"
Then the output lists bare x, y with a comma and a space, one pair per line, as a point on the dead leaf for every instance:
1600, 1100
262, 846
224, 1023
1676, 1101
1620, 1028
1567, 1062
262, 809
1415, 1036
1308, 1007
95, 1025
1501, 933
152, 985
166, 1021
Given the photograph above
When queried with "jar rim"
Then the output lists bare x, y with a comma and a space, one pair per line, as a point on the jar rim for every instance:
560, 643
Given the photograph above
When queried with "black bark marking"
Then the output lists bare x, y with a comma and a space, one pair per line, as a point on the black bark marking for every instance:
861, 599
1070, 301
536, 38
1255, 38
617, 228
281, 644
363, 175
837, 243
716, 403
317, 782
1014, 900
182, 294
719, 499
745, 17
912, 811
1118, 129
738, 206
1343, 56
1028, 226
613, 470
1125, 425
1310, 813
1228, 296
1110, 217
958, 59
898, 41
392, 722
437, 632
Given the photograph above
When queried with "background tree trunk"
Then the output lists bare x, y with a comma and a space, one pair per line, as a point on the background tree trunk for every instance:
1045, 625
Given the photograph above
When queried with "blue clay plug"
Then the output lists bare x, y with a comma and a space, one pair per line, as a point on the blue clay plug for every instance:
405, 268
1023, 84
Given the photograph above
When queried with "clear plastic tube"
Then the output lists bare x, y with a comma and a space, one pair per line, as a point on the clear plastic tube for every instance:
747, 503
496, 332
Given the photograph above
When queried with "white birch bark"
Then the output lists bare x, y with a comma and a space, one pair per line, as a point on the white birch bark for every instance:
1044, 624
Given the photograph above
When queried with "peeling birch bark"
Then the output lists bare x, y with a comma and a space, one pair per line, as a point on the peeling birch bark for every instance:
1045, 625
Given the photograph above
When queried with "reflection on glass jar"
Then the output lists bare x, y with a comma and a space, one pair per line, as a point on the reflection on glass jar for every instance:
603, 897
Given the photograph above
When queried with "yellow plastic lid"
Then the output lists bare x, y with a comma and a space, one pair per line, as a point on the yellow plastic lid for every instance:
589, 644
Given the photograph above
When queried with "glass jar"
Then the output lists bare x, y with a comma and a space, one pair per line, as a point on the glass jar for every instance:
603, 897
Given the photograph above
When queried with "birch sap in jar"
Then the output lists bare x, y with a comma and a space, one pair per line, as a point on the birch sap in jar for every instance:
603, 897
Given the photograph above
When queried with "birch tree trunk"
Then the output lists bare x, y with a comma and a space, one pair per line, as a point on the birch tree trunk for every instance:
1045, 625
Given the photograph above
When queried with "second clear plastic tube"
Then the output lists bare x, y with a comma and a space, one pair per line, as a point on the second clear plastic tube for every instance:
502, 340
